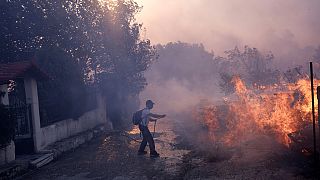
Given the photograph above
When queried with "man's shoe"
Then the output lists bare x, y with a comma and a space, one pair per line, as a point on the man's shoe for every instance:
154, 155
142, 152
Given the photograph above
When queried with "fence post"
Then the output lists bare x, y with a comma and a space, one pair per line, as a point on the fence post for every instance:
313, 117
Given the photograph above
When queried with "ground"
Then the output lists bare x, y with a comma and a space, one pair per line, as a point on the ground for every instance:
113, 155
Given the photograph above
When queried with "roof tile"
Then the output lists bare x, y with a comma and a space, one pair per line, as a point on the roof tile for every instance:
11, 71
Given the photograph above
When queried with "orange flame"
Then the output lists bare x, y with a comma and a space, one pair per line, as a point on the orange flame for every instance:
275, 110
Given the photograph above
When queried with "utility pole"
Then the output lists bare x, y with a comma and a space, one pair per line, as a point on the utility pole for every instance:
313, 117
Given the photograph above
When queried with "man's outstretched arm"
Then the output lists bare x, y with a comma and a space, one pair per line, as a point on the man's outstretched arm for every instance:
157, 116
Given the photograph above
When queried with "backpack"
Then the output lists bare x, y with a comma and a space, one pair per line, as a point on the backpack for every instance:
137, 117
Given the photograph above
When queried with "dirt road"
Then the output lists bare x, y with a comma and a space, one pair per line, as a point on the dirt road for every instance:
114, 156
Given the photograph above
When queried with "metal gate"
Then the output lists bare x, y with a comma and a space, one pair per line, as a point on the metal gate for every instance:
22, 114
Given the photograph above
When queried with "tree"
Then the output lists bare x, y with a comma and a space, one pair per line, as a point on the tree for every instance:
101, 37
64, 95
120, 72
184, 62
250, 64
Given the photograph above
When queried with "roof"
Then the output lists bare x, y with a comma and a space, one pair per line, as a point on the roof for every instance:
12, 71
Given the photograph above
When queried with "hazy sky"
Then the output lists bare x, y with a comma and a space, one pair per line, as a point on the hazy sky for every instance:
286, 27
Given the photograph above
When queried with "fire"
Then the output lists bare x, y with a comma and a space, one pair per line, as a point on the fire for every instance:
207, 115
275, 110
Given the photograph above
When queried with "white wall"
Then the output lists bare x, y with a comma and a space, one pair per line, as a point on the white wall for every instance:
7, 154
4, 100
31, 90
70, 127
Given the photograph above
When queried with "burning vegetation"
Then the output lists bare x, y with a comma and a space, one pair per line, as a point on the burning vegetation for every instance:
278, 111
246, 96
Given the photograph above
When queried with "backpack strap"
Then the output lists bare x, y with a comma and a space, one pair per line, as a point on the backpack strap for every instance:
141, 118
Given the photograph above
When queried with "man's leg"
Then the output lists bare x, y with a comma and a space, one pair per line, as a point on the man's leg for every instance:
143, 145
144, 140
150, 140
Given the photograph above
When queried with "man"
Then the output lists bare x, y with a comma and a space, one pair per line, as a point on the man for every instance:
143, 126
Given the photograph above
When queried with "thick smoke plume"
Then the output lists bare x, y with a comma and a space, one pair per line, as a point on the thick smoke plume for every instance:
191, 86
288, 28
182, 76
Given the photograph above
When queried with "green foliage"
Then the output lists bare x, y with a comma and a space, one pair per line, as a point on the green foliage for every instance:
64, 95
7, 126
250, 64
101, 37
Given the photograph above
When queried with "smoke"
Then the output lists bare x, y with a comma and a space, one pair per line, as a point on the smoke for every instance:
186, 74
185, 80
183, 75
288, 28
288, 53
